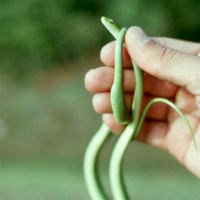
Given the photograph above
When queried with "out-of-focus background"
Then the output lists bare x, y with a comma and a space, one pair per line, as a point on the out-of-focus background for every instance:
46, 117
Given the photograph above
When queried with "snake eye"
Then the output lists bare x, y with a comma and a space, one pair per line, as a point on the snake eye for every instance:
111, 21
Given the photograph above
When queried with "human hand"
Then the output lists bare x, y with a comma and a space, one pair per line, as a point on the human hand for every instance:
171, 70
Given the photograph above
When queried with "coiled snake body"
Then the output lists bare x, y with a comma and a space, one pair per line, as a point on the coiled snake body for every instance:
133, 123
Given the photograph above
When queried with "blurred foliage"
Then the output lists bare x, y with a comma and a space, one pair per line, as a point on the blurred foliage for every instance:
40, 34
45, 116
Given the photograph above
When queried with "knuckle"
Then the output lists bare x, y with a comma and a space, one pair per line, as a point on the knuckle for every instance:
167, 59
168, 56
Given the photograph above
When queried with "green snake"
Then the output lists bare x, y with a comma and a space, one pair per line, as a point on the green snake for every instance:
132, 121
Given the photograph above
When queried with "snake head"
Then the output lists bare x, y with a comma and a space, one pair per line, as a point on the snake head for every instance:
111, 26
107, 20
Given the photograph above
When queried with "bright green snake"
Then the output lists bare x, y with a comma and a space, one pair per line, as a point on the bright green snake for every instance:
133, 123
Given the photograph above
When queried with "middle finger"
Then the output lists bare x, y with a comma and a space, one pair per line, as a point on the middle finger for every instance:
101, 79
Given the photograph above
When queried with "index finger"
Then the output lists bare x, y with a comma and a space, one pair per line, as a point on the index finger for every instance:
107, 52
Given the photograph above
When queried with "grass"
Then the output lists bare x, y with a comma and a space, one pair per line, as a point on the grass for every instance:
51, 109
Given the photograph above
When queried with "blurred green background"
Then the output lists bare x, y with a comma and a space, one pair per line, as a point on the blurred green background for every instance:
46, 117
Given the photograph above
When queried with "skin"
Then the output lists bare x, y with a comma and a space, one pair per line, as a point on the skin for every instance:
172, 71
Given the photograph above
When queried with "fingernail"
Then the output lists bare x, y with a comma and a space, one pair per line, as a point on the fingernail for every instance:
139, 36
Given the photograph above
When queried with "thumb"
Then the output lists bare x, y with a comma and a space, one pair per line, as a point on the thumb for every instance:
162, 62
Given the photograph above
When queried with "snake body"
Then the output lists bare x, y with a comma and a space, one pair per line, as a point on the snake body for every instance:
133, 125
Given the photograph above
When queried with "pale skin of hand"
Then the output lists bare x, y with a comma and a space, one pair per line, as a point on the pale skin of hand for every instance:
171, 70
